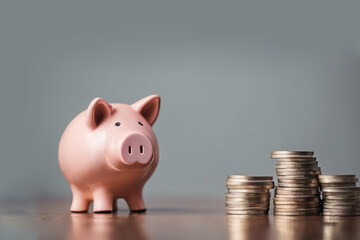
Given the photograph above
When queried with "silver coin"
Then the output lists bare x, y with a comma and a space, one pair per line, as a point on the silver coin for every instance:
304, 212
290, 170
341, 207
350, 176
296, 214
297, 191
307, 153
250, 191
306, 170
291, 173
310, 213
296, 198
342, 197
340, 214
340, 190
247, 195
297, 202
293, 208
308, 196
299, 198
300, 185
313, 171
313, 189
346, 184
301, 164
329, 194
248, 204
250, 187
297, 159
246, 182
247, 208
341, 202
233, 202
309, 210
298, 181
245, 186
289, 156
337, 180
280, 173
287, 203
255, 183
247, 200
297, 206
297, 177
296, 166
260, 178
246, 212
340, 211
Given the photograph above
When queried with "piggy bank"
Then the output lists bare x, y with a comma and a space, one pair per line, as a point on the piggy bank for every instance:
108, 152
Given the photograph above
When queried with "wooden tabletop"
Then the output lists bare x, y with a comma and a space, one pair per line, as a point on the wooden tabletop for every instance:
170, 218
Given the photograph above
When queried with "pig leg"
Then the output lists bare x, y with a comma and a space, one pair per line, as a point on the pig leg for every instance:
103, 201
80, 203
135, 202
115, 208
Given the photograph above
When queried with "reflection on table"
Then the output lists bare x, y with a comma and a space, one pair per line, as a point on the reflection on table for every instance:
298, 227
106, 227
244, 227
341, 228
241, 227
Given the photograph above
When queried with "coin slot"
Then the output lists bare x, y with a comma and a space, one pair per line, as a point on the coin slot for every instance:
130, 150
141, 149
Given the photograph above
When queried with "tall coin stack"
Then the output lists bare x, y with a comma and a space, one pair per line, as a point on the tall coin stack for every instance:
340, 195
248, 195
297, 192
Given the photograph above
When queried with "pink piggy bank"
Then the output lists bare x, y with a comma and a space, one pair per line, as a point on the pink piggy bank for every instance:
108, 152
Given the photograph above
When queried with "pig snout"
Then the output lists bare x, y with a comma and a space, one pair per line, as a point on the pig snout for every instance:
136, 147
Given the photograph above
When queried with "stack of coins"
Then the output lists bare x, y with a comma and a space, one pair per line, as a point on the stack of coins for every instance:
340, 195
248, 195
297, 192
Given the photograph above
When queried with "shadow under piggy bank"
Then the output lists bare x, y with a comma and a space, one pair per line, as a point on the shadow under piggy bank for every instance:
106, 227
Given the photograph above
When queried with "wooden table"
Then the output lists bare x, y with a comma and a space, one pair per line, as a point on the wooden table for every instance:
171, 218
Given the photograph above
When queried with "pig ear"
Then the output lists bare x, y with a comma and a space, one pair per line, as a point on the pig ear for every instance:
148, 107
97, 112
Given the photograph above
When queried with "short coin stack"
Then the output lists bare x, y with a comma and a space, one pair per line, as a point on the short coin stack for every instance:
248, 195
297, 192
340, 195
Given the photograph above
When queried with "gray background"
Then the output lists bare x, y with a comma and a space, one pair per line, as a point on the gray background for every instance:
237, 80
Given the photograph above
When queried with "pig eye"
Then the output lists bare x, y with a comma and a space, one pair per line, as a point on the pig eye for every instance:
140, 124
117, 124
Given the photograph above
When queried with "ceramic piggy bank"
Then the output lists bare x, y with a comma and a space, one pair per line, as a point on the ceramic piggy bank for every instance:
108, 152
